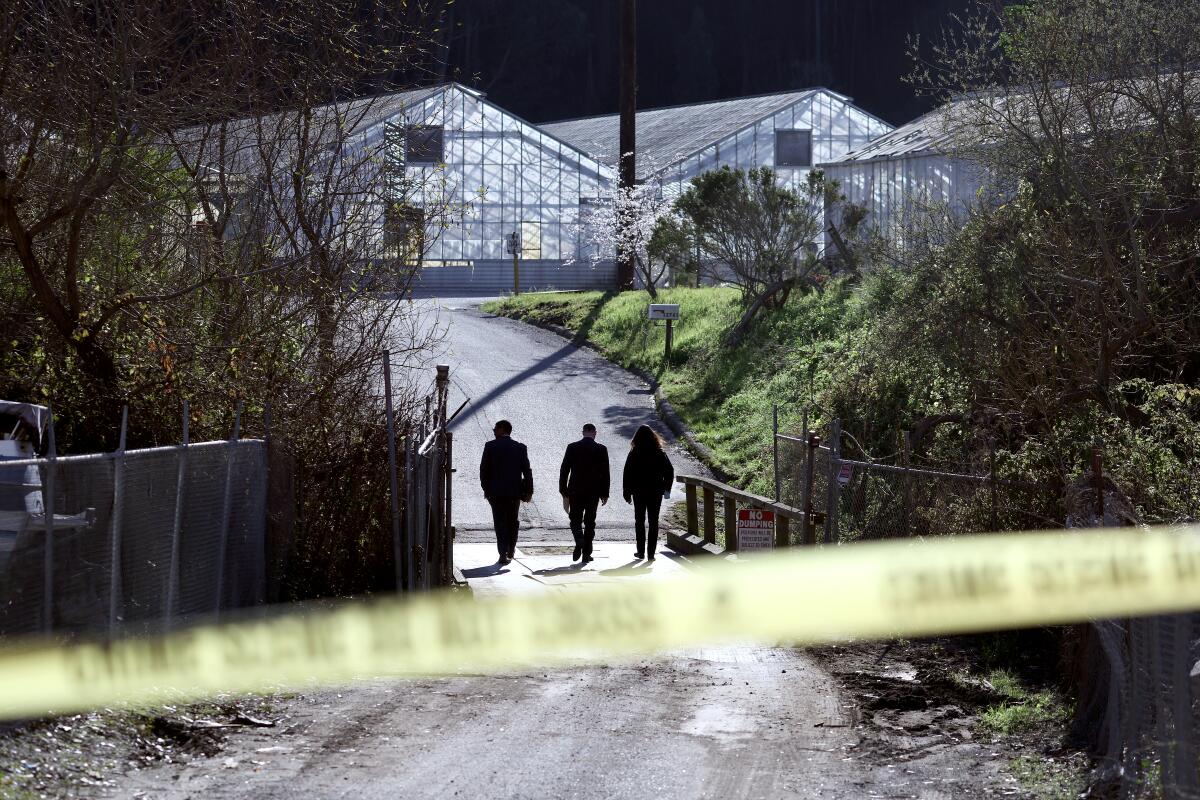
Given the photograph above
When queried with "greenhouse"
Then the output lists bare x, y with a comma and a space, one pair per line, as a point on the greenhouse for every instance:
907, 174
789, 131
491, 174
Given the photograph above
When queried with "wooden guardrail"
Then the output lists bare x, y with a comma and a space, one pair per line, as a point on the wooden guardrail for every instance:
696, 487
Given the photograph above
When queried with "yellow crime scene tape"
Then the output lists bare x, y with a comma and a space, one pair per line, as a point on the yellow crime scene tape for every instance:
870, 590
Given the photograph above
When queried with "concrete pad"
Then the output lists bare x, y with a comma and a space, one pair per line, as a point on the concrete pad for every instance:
547, 566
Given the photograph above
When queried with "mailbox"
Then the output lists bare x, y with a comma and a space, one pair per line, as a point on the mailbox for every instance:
664, 311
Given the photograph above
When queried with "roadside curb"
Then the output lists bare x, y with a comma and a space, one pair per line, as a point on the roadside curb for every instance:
665, 410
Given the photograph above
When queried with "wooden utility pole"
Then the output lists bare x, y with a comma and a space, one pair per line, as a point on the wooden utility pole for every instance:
628, 161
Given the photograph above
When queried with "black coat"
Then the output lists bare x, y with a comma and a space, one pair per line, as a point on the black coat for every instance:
648, 472
584, 471
504, 472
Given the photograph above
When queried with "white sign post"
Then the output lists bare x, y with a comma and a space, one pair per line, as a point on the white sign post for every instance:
670, 313
667, 311
755, 529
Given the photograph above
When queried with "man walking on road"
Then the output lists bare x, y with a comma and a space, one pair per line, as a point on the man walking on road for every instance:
583, 481
507, 479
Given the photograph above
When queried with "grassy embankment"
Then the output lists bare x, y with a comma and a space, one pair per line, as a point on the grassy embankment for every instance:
724, 395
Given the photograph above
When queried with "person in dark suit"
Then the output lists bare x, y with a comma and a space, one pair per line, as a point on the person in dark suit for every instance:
507, 479
647, 478
583, 481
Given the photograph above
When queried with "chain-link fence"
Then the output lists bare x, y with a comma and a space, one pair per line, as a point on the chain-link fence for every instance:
139, 540
855, 500
1137, 678
132, 540
1138, 709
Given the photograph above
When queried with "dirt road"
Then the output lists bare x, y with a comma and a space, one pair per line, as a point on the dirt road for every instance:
740, 721
727, 722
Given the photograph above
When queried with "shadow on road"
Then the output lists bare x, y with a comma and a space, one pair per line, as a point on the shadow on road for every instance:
575, 567
627, 419
481, 403
484, 572
634, 567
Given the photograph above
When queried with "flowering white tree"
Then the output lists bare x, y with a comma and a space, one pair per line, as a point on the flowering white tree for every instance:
625, 219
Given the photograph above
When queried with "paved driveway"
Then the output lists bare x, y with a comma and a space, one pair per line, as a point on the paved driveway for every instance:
547, 388
719, 722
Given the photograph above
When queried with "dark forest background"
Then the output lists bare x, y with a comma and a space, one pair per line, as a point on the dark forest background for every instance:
556, 59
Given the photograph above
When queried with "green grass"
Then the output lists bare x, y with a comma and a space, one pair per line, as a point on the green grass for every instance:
1021, 710
11, 791
724, 395
1048, 780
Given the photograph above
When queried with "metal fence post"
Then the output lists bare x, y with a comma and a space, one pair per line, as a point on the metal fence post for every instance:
775, 446
832, 489
114, 526
441, 549
809, 534
227, 507
408, 535
177, 526
48, 512
401, 584
798, 476
906, 462
260, 547
448, 575
1098, 476
995, 526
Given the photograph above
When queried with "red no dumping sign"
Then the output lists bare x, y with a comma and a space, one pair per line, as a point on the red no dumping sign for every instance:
755, 529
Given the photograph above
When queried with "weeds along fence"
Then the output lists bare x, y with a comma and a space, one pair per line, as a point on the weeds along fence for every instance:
132, 540
1138, 707
136, 541
861, 500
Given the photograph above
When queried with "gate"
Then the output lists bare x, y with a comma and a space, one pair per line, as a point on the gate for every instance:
421, 487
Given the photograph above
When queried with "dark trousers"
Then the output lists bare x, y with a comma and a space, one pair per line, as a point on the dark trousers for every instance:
583, 521
645, 509
506, 522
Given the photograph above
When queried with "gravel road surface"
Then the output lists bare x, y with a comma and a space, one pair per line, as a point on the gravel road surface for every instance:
724, 722
732, 721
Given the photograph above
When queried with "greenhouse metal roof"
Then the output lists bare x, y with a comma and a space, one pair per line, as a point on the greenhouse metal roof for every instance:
924, 135
667, 135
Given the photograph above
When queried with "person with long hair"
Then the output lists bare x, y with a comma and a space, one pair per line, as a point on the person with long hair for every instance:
647, 478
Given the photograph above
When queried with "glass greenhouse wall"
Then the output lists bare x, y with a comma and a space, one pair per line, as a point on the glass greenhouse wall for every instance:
897, 192
908, 175
818, 128
494, 175
477, 174
791, 132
